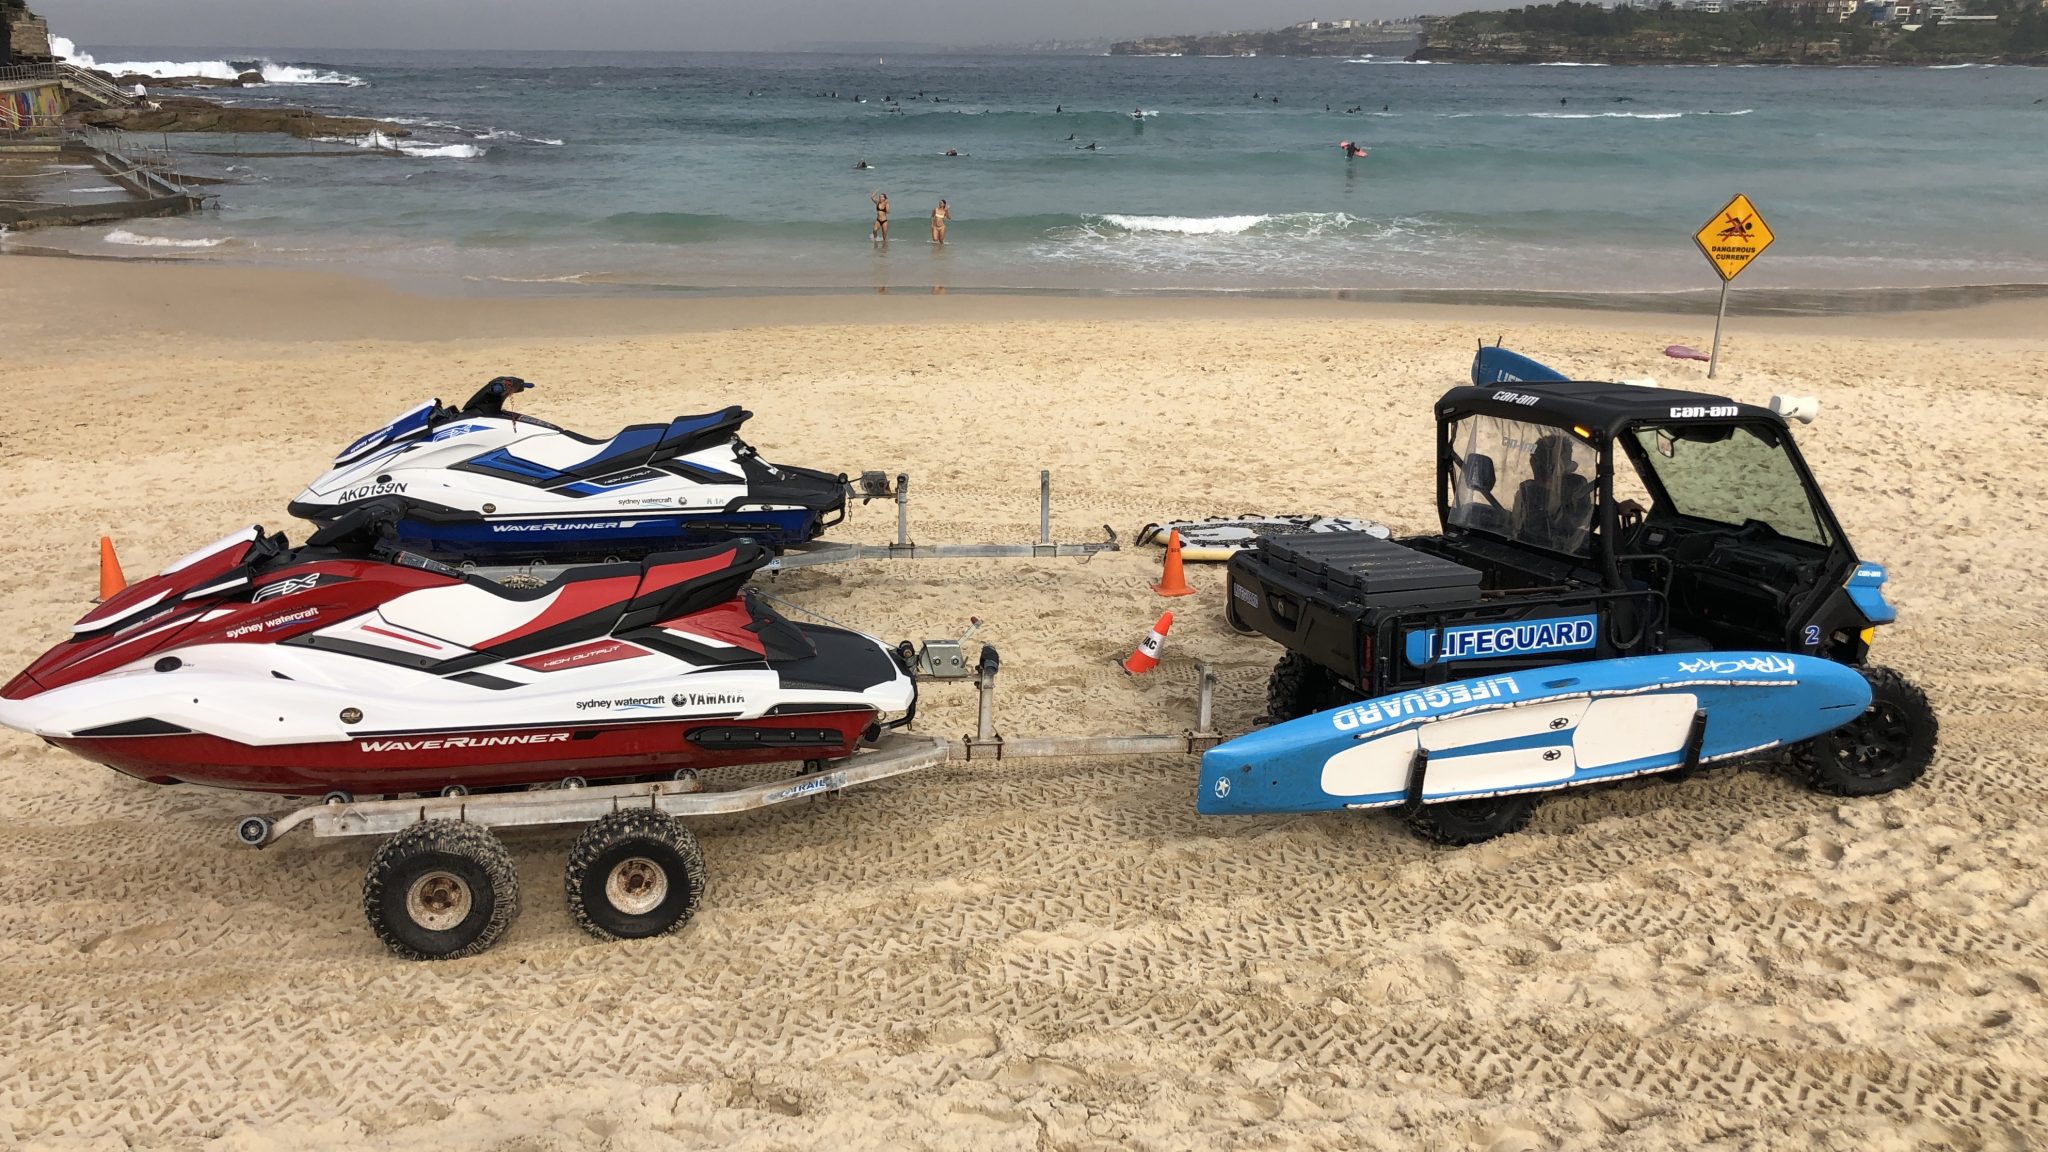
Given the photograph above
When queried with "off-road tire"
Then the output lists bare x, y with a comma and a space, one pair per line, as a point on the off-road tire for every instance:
445, 857
624, 851
1462, 822
1300, 687
1885, 749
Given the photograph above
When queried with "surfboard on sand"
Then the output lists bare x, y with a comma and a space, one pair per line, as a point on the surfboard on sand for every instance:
1497, 365
1218, 538
1532, 731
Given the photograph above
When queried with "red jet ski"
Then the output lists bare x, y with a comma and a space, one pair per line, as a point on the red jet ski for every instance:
331, 668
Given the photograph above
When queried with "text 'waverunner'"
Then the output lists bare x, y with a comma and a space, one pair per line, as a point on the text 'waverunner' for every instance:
253, 665
481, 484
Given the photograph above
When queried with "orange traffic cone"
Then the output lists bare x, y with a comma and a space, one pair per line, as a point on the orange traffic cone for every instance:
1145, 657
111, 580
1173, 581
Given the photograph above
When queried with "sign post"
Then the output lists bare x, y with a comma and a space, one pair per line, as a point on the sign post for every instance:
1735, 236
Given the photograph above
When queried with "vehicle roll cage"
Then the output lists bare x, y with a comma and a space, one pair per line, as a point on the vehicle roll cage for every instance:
1605, 415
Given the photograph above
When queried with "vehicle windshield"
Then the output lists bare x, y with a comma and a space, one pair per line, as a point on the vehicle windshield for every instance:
1528, 482
1732, 475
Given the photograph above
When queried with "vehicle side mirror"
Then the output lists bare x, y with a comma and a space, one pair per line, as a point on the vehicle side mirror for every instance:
1479, 472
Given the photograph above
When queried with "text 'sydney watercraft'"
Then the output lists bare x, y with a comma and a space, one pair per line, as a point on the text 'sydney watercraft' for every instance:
253, 665
480, 483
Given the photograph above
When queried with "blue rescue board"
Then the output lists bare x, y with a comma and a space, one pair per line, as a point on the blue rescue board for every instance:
1532, 731
1497, 365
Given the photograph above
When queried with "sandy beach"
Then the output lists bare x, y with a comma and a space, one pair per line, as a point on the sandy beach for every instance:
1052, 954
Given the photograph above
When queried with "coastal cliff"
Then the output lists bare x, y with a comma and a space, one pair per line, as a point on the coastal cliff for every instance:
1364, 39
1589, 34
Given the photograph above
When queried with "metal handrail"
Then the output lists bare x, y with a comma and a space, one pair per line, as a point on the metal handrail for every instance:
13, 72
93, 85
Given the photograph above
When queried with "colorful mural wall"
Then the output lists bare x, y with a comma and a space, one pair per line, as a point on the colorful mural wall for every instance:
38, 107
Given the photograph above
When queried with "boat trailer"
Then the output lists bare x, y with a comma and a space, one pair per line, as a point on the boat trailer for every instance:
873, 485
444, 886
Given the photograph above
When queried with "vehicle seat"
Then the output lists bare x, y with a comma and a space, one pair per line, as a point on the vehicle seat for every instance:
1537, 521
639, 445
679, 583
581, 604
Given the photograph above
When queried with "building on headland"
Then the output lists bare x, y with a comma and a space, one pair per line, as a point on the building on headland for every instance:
24, 36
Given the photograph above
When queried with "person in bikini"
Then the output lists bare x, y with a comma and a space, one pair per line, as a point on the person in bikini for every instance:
881, 229
940, 215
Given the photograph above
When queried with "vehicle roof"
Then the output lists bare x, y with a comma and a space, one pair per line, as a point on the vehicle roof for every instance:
1596, 405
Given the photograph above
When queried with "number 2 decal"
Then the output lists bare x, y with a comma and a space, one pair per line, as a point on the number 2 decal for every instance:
1812, 635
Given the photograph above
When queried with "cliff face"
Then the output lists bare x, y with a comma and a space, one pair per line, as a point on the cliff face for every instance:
1386, 40
1586, 33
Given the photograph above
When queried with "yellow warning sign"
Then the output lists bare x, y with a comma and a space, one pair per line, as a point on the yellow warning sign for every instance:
1734, 237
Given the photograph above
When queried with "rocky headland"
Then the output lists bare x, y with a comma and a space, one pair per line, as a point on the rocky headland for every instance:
192, 114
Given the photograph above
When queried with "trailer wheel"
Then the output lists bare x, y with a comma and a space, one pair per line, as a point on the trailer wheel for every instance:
1886, 748
1462, 822
441, 889
634, 874
1300, 687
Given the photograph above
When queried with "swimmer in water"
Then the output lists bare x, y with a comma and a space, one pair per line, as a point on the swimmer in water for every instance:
880, 232
940, 215
861, 164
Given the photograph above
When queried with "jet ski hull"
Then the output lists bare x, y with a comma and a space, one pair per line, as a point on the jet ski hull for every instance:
566, 539
477, 759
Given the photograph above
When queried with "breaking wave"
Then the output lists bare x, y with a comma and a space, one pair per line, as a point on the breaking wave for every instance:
508, 134
1288, 223
123, 236
273, 73
1598, 115
385, 143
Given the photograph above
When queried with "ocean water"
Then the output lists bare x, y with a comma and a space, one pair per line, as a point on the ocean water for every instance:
579, 171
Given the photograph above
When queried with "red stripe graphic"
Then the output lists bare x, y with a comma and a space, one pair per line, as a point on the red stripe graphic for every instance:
397, 636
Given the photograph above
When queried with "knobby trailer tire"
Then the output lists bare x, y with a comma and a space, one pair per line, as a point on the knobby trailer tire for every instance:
440, 890
634, 874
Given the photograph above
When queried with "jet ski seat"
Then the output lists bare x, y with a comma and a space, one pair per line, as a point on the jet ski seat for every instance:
581, 604
639, 445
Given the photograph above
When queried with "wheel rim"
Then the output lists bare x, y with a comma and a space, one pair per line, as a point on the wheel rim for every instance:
636, 886
438, 901
1874, 743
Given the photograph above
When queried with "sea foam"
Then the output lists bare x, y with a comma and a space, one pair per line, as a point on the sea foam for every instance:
208, 69
385, 143
123, 236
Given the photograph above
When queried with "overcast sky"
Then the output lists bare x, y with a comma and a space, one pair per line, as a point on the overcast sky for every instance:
677, 25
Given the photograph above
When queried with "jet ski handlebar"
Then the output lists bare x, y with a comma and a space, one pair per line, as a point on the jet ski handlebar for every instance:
359, 531
490, 399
